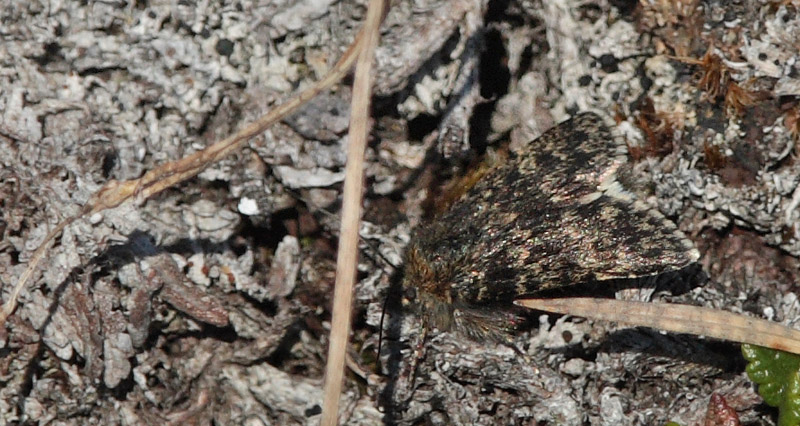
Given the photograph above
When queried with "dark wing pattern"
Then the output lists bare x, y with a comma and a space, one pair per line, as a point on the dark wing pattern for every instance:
554, 216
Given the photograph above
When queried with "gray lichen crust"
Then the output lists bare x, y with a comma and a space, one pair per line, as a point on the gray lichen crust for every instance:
121, 326
553, 217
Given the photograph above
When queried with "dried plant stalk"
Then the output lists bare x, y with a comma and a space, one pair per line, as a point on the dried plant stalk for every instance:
688, 319
347, 257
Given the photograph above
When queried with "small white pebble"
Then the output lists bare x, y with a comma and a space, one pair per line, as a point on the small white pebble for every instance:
96, 218
574, 367
248, 206
769, 312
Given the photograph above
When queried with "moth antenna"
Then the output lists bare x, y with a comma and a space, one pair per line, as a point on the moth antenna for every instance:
380, 332
314, 209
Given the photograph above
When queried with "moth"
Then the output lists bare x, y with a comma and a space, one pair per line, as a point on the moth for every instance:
554, 216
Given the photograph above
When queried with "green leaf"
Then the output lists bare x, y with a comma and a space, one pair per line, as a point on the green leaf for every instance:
777, 374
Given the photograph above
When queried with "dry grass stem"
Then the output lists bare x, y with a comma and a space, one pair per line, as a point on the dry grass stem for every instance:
347, 258
688, 319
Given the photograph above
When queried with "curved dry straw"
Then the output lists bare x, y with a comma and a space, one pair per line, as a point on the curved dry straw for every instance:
114, 193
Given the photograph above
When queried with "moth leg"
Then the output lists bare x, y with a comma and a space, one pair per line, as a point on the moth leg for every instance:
407, 376
419, 352
482, 325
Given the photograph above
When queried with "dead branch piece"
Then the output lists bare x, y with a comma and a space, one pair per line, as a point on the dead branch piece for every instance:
114, 193
715, 75
716, 82
347, 257
688, 319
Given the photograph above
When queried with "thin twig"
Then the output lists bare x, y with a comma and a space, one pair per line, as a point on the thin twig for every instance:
347, 257
11, 303
114, 193
688, 319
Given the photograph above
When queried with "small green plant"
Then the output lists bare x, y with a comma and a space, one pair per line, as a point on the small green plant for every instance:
777, 374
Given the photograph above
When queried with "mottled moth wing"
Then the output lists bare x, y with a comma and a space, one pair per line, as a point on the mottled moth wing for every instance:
554, 216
